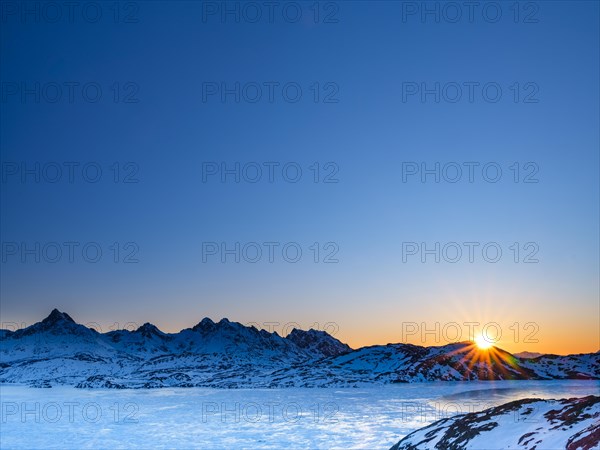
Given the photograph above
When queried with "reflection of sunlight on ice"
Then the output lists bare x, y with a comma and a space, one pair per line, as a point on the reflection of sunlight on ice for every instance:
210, 418
164, 408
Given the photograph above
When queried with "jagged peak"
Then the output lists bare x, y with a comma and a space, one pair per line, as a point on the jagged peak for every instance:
310, 331
57, 316
208, 325
148, 329
204, 325
318, 340
57, 322
264, 333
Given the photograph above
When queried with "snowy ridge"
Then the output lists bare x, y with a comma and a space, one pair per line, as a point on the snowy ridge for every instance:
225, 354
527, 355
525, 424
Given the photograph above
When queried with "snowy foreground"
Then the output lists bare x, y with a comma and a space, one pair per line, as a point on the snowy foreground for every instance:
526, 424
294, 418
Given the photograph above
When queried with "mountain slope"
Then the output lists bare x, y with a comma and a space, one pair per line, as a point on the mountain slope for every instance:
525, 424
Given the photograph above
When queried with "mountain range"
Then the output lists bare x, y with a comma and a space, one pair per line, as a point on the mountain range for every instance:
225, 354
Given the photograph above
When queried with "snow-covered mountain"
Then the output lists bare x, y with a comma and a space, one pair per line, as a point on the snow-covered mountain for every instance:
584, 366
225, 354
525, 424
57, 350
396, 363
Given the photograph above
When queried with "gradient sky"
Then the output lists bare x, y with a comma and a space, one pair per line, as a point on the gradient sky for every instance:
368, 133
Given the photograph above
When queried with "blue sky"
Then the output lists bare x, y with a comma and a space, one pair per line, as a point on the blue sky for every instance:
368, 56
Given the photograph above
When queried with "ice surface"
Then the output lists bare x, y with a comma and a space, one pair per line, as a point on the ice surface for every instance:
65, 417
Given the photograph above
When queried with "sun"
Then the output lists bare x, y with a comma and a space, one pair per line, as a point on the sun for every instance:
482, 343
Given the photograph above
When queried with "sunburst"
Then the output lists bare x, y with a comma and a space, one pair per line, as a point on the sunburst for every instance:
486, 363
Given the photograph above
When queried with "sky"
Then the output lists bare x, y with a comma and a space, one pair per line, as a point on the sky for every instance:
386, 171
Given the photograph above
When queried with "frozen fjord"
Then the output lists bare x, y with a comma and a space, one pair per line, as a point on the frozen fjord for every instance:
65, 417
